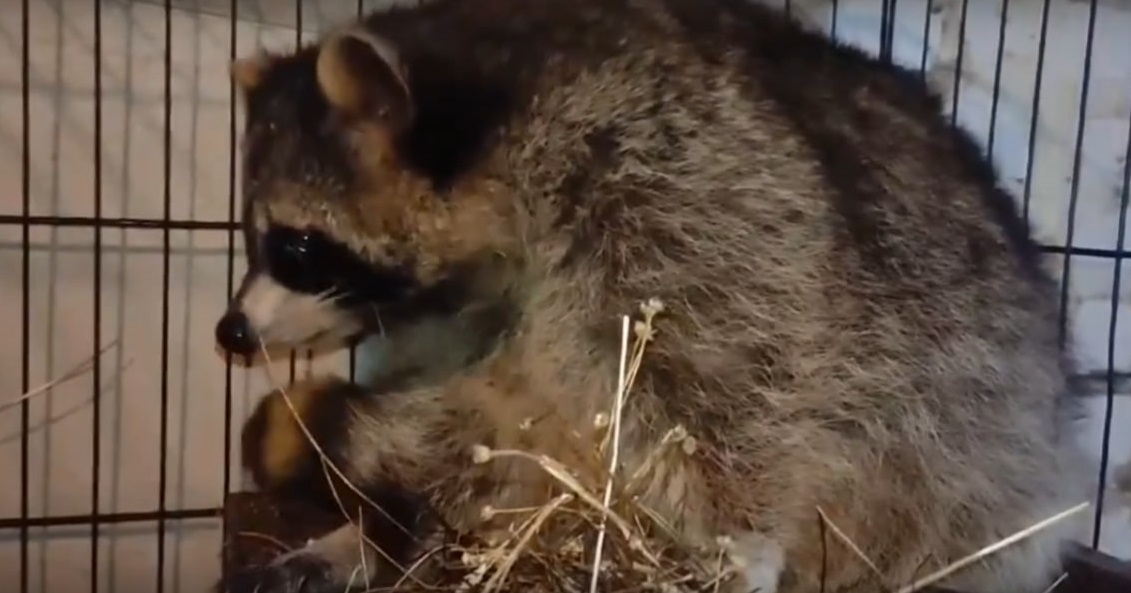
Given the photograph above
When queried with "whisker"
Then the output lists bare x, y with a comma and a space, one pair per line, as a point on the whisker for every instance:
377, 316
331, 295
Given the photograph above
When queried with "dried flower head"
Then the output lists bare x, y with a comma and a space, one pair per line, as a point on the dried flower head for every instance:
480, 453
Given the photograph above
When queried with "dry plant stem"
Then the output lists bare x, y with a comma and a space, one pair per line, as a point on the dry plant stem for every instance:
562, 475
853, 547
500, 575
267, 538
719, 572
644, 334
670, 531
363, 539
328, 465
517, 531
415, 565
674, 436
494, 555
492, 512
657, 520
992, 549
353, 578
75, 372
618, 410
1056, 583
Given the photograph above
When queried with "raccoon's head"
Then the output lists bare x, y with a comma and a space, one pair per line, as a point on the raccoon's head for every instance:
365, 201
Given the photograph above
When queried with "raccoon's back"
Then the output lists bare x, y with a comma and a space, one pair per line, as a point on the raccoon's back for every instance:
829, 248
839, 266
857, 317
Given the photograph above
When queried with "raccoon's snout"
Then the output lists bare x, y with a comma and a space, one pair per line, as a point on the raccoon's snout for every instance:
268, 314
235, 334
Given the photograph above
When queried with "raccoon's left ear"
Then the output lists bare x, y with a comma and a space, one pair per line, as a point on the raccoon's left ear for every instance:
361, 75
247, 72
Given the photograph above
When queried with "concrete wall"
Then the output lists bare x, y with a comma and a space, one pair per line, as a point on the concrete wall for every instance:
62, 287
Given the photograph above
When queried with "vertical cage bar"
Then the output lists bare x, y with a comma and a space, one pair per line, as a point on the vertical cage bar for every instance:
233, 198
353, 345
926, 39
958, 61
167, 194
353, 363
1077, 157
298, 43
832, 23
999, 59
96, 444
25, 273
1116, 285
1035, 113
887, 31
883, 50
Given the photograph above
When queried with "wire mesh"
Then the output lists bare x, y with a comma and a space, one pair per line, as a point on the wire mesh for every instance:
892, 29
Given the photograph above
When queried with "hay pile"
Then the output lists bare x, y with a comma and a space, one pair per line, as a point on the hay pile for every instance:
554, 549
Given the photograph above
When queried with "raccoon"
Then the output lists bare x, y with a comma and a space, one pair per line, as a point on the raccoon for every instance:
856, 318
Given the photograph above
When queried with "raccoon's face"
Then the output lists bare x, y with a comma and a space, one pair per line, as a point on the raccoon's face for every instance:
303, 288
341, 227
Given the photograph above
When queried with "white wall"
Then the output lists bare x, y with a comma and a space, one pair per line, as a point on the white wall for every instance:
62, 279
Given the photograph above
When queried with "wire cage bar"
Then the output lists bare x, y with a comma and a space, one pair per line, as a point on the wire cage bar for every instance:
941, 38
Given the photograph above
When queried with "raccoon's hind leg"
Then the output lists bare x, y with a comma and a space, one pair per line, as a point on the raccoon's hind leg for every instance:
375, 544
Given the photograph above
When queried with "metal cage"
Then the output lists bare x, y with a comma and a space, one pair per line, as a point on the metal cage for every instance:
114, 63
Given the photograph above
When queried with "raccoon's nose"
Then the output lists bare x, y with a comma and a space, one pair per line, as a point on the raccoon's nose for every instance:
234, 334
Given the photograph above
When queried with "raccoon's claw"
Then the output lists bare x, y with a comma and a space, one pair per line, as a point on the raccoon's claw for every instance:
293, 573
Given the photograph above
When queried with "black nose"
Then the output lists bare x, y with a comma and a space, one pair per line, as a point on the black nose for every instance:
234, 334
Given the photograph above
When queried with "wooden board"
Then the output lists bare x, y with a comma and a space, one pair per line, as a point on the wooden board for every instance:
259, 528
1091, 571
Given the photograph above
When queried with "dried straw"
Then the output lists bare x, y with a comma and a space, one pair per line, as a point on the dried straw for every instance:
1063, 577
851, 546
618, 411
77, 371
277, 543
992, 549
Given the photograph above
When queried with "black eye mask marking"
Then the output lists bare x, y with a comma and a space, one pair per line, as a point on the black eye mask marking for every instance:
309, 262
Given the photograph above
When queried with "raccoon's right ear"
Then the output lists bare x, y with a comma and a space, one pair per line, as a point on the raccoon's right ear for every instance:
362, 76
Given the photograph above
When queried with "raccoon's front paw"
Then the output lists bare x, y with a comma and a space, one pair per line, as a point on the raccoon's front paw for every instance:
297, 572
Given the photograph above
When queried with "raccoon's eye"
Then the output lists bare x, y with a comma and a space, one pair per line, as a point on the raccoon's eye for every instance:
296, 260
